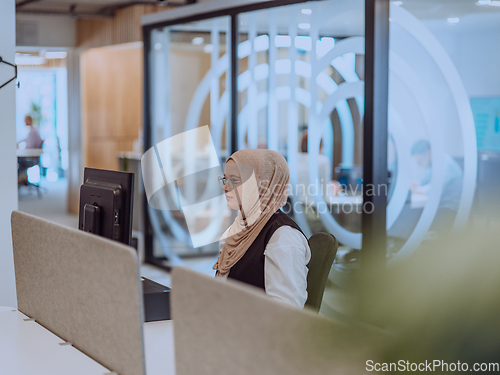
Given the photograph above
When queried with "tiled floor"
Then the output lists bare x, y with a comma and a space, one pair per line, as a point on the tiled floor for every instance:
50, 205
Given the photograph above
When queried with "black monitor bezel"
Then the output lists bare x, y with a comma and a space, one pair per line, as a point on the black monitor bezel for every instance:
126, 181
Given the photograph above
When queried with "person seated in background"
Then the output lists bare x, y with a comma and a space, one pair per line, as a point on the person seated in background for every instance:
263, 247
33, 140
452, 185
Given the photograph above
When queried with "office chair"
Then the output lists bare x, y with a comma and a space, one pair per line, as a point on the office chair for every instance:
323, 250
24, 164
27, 158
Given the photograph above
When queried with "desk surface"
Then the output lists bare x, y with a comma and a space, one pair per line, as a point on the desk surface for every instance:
159, 347
29, 152
130, 155
418, 200
27, 348
344, 199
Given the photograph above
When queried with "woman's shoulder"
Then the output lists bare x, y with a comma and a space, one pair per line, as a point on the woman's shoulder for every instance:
286, 235
280, 219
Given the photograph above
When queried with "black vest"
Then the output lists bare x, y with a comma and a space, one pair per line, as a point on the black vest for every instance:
250, 268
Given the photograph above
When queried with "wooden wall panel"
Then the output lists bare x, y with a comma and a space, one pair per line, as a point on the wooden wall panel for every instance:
49, 63
112, 80
103, 122
102, 154
124, 27
94, 32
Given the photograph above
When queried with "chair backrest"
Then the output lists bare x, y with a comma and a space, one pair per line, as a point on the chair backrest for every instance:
323, 250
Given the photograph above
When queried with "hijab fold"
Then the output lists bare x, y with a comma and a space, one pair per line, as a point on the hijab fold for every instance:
265, 177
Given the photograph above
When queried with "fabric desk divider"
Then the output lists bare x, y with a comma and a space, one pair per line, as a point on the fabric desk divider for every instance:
226, 327
83, 288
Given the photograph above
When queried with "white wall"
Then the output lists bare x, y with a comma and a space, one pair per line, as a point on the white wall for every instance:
474, 47
420, 94
8, 160
46, 30
477, 58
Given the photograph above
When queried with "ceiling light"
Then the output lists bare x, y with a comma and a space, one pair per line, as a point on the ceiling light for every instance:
453, 20
397, 3
306, 11
208, 48
282, 41
303, 43
55, 55
29, 60
197, 41
304, 26
483, 2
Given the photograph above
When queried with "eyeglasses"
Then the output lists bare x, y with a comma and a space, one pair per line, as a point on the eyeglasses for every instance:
229, 182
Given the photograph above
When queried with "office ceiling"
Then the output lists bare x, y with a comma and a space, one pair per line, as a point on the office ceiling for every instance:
422, 9
86, 7
443, 9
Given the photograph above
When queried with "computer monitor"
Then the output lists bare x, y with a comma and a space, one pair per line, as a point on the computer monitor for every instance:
106, 201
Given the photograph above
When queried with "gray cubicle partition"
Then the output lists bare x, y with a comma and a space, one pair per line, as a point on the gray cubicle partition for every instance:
225, 327
83, 288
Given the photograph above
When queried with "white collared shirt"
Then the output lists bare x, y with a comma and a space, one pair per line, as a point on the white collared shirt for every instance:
285, 267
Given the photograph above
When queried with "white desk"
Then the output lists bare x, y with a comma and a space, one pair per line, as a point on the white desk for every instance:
29, 152
418, 200
354, 200
159, 347
27, 348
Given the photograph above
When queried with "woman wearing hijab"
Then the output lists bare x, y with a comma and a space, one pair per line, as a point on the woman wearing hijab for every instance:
263, 247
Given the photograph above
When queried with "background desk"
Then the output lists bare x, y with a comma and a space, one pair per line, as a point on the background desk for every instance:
26, 348
29, 152
27, 158
353, 200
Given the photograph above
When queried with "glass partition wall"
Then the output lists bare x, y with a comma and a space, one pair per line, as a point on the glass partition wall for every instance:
298, 77
300, 92
387, 113
443, 121
189, 87
301, 78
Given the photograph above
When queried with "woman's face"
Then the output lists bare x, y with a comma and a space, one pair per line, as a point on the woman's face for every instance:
233, 179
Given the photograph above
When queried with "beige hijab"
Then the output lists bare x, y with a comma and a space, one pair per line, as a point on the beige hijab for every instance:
265, 177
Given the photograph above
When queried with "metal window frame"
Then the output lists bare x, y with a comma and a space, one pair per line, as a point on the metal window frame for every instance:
147, 28
375, 132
